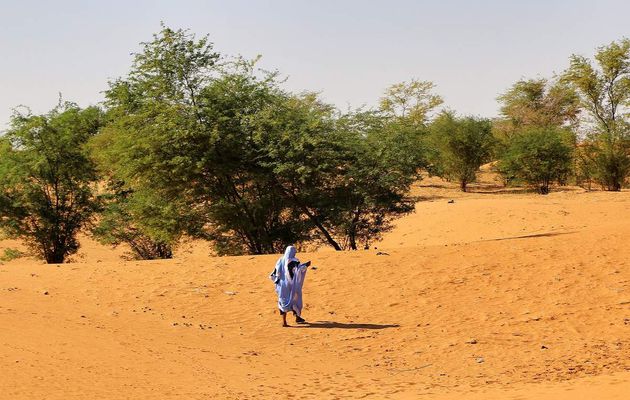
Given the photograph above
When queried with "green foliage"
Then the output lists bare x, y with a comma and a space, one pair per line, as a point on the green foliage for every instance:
606, 160
461, 146
11, 254
384, 163
46, 179
348, 175
253, 167
412, 101
538, 157
604, 89
191, 141
142, 220
538, 103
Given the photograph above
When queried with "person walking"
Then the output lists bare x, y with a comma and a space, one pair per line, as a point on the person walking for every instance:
288, 276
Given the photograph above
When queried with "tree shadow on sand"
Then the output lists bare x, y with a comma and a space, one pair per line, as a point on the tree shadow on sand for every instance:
533, 235
339, 325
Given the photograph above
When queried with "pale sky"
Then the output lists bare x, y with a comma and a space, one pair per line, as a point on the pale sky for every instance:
349, 50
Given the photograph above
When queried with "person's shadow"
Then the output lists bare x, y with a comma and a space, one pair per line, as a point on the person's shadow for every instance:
339, 325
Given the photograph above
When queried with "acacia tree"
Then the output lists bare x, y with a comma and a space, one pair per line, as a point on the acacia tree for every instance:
348, 175
604, 89
538, 157
412, 101
47, 179
462, 145
181, 127
536, 103
387, 160
143, 220
147, 112
254, 166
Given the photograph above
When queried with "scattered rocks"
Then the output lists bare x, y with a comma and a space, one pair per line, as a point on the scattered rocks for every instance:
471, 341
480, 360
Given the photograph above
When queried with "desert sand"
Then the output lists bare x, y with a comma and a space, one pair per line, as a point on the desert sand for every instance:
501, 294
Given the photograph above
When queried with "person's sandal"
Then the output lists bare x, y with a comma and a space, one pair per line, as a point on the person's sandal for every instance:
300, 320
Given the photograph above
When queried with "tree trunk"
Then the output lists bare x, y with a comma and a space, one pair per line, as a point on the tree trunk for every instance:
544, 189
313, 219
323, 230
614, 186
353, 241
55, 256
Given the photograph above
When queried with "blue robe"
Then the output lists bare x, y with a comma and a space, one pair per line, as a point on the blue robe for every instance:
289, 289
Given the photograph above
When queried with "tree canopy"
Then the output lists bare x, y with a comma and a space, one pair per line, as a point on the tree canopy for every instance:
538, 157
461, 146
191, 143
604, 91
253, 166
47, 179
537, 103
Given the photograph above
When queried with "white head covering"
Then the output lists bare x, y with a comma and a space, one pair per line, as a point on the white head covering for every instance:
289, 255
289, 289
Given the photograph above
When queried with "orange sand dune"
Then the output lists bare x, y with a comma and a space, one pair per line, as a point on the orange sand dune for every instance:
494, 296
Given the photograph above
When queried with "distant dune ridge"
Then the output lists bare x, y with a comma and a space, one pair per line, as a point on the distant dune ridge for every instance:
492, 294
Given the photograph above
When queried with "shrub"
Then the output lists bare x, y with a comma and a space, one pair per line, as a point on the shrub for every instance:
538, 158
46, 179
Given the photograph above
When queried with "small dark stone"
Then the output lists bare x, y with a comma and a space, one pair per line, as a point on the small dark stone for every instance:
543, 347
46, 293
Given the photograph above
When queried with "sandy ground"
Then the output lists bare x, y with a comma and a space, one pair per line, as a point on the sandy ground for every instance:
498, 295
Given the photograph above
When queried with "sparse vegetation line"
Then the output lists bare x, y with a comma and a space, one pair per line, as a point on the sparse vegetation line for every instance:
193, 143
